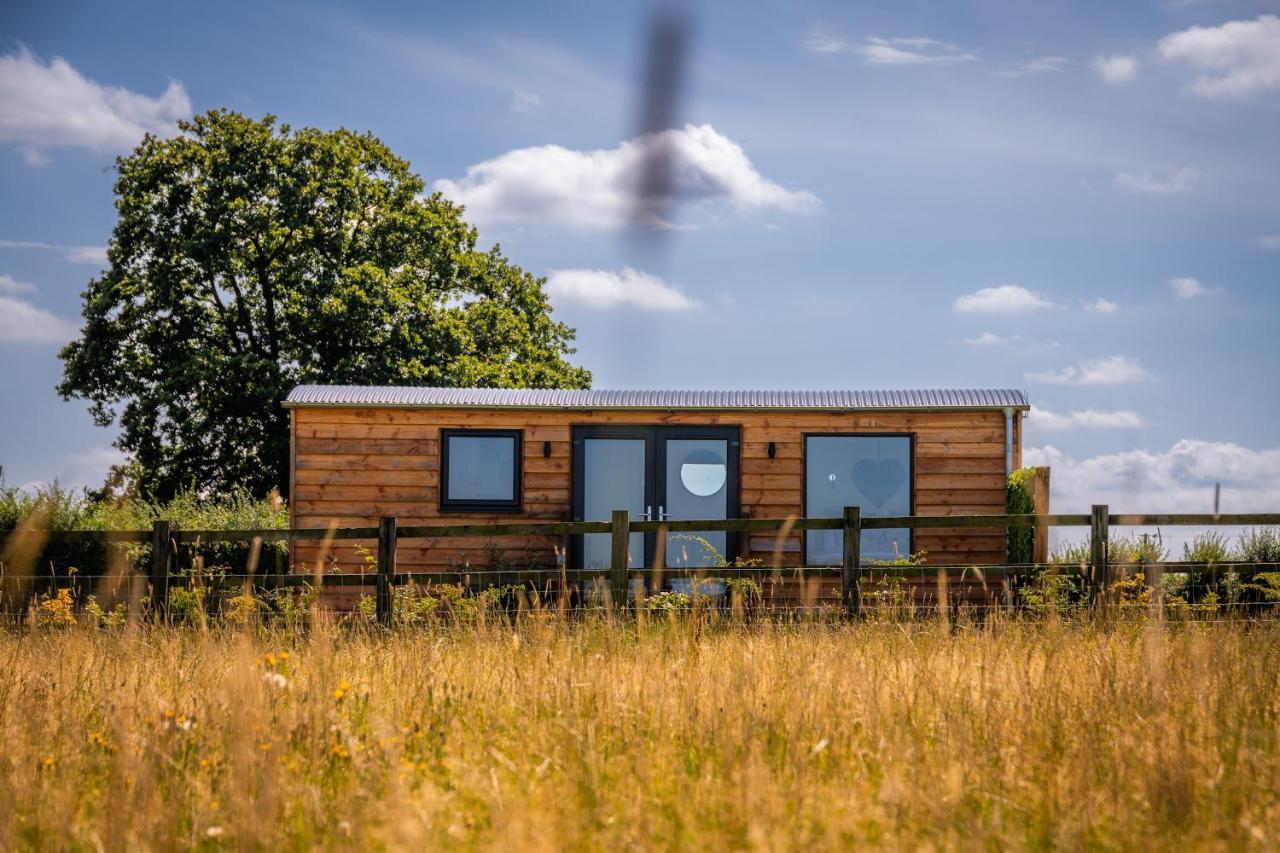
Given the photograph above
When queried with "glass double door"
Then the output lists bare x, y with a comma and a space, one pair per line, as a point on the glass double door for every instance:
656, 473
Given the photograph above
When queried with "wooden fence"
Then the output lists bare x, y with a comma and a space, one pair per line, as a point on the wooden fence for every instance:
165, 539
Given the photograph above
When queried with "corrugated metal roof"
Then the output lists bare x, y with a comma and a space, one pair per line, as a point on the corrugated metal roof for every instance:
412, 397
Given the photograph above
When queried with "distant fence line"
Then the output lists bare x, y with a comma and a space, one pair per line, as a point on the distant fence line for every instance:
165, 537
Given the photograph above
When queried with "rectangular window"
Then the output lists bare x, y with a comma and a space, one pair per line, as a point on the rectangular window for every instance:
871, 472
480, 470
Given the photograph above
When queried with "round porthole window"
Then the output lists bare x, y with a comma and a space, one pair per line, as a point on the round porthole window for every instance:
703, 474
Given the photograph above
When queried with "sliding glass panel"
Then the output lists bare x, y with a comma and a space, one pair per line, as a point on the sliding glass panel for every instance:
866, 471
613, 478
697, 473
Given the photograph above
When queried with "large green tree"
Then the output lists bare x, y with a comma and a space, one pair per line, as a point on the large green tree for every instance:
249, 257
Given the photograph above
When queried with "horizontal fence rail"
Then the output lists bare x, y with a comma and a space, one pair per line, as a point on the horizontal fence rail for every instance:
712, 525
1097, 573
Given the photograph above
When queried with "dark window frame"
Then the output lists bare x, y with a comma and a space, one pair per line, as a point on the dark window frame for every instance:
804, 478
654, 434
514, 504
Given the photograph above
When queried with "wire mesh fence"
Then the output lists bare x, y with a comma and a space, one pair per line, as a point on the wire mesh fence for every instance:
111, 577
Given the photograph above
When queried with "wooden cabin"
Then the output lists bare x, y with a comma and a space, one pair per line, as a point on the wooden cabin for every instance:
472, 455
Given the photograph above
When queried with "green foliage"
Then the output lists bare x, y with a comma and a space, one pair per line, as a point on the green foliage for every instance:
667, 602
1121, 551
888, 599
468, 607
412, 607
248, 258
291, 606
1210, 546
1070, 554
1266, 585
746, 591
1050, 592
97, 616
919, 558
1018, 499
55, 508
1260, 546
186, 606
1137, 550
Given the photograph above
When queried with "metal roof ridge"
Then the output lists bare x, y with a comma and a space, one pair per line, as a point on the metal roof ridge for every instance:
434, 396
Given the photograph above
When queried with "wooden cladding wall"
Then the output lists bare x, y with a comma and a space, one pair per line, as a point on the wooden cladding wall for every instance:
351, 466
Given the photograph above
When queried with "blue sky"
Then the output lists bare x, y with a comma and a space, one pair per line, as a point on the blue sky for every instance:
1077, 199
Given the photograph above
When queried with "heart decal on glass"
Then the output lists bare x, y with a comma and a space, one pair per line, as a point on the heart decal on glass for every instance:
878, 480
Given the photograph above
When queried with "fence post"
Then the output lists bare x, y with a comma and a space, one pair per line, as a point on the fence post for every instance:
1040, 506
1099, 564
161, 556
619, 562
851, 565
386, 568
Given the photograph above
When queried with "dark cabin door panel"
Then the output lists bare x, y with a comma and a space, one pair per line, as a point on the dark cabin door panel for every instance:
655, 472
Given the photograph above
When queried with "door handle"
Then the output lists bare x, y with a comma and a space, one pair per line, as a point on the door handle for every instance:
662, 514
648, 514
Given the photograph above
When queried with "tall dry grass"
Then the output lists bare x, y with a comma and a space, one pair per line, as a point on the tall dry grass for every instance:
599, 734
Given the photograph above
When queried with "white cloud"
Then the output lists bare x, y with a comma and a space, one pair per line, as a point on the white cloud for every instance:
594, 190
524, 102
1180, 479
824, 44
11, 286
1189, 288
47, 105
1044, 419
1270, 242
33, 157
991, 339
75, 254
1040, 65
90, 467
1003, 299
911, 51
1238, 58
986, 339
1113, 370
1116, 69
1101, 306
83, 469
24, 323
86, 254
1148, 183
627, 288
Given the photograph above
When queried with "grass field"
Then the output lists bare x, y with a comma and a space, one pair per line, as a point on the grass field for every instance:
668, 735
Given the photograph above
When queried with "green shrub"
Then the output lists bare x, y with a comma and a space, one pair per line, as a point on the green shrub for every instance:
1266, 585
412, 607
1207, 547
1070, 554
1133, 552
1019, 500
1049, 592
746, 591
667, 602
1260, 546
54, 508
